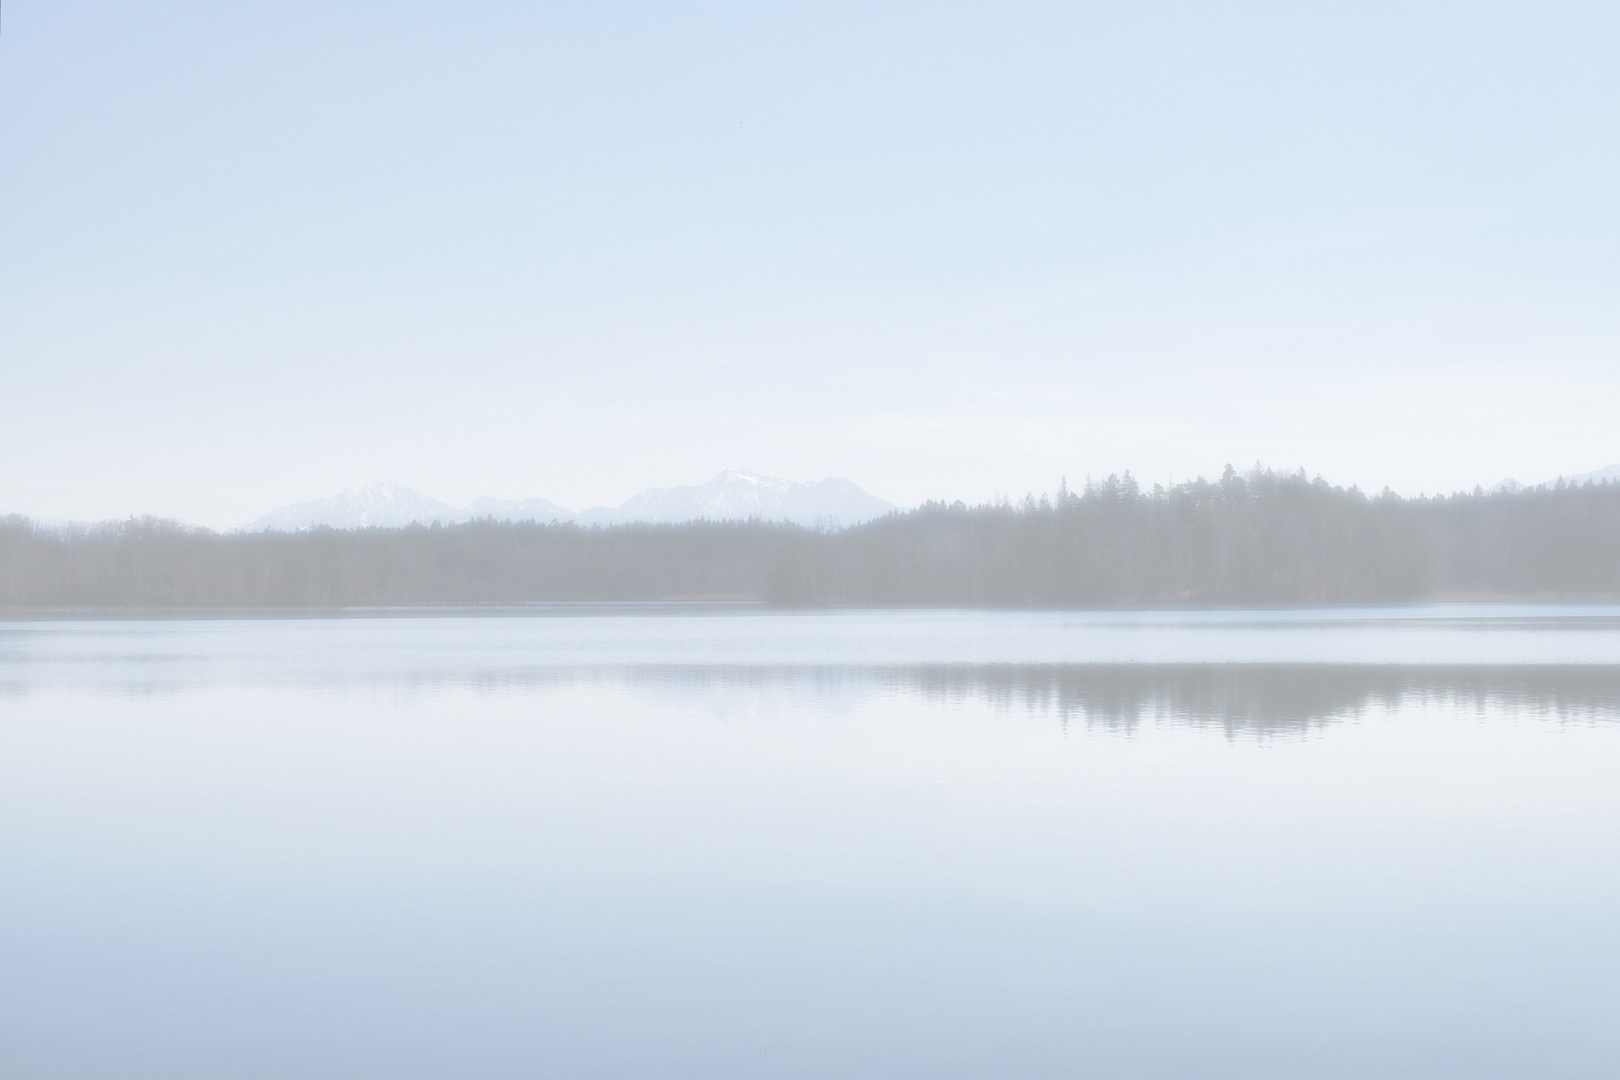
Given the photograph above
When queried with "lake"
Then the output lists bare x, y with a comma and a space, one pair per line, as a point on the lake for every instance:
727, 841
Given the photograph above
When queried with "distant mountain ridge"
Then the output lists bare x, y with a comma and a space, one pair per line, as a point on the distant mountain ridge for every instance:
387, 505
732, 495
1609, 474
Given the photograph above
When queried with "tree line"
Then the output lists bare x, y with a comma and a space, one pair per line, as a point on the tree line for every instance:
1246, 538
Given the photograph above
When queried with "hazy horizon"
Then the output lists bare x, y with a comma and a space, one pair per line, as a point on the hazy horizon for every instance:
255, 256
1606, 473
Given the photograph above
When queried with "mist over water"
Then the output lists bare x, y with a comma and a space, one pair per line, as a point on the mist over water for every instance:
703, 840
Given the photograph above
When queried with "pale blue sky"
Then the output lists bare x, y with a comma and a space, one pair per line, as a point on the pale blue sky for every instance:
254, 254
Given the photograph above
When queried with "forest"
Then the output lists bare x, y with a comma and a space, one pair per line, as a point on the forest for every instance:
1260, 537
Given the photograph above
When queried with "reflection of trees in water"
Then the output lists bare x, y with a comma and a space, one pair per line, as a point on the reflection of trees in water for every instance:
1267, 698
1240, 698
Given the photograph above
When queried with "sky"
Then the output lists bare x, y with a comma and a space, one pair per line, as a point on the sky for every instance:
253, 254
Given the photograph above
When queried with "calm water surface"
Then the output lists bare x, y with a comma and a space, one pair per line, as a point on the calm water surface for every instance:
707, 842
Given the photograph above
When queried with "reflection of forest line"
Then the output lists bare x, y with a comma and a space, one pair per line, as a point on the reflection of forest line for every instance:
1260, 538
1264, 697
1252, 698
1238, 697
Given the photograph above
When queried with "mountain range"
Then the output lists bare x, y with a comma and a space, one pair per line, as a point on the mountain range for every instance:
732, 495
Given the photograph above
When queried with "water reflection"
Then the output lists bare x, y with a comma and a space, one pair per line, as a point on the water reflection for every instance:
1238, 698
1270, 698
1252, 671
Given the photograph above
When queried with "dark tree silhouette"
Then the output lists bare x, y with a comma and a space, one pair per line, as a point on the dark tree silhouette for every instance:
1260, 537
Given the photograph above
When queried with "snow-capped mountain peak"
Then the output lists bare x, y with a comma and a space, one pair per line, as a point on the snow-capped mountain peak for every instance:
734, 494
388, 505
738, 495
